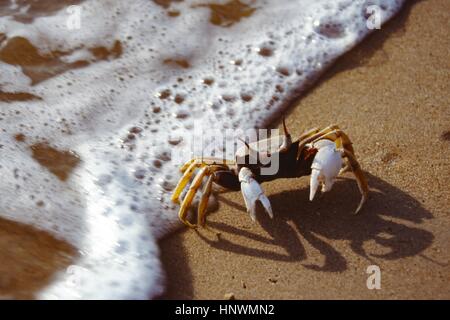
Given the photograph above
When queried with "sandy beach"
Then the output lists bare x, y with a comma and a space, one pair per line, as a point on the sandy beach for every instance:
391, 94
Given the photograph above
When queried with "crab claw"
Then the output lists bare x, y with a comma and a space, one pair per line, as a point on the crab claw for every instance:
325, 167
252, 193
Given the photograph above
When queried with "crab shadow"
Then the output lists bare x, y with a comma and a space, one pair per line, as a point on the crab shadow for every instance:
390, 219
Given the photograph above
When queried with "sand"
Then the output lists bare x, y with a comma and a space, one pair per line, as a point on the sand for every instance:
391, 94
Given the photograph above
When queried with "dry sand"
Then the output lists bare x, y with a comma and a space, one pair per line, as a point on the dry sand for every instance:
392, 96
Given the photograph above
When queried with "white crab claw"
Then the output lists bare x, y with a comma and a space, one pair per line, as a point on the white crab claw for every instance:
252, 193
325, 167
314, 183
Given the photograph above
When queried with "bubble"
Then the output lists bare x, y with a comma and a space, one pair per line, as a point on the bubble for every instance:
166, 184
329, 28
139, 173
283, 70
246, 97
175, 140
208, 81
164, 94
182, 114
179, 99
266, 49
228, 97
237, 62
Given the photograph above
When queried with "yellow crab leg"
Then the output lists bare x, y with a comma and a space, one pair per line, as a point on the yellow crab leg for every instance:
205, 161
360, 178
308, 133
344, 142
339, 137
185, 166
193, 164
183, 181
201, 215
190, 195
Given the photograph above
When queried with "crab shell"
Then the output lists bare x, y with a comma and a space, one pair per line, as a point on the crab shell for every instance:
261, 150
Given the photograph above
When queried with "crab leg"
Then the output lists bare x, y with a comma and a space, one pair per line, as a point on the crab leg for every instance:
339, 137
308, 133
188, 169
182, 182
201, 215
360, 178
196, 183
190, 195
199, 161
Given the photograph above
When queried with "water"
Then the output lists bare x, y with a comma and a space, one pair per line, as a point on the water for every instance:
94, 111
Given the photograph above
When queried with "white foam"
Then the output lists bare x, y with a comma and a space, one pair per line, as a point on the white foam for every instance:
116, 203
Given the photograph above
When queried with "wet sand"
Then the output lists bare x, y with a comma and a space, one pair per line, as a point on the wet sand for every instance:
29, 259
391, 94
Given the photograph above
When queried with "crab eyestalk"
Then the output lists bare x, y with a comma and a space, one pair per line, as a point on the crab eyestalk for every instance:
287, 139
253, 193
325, 167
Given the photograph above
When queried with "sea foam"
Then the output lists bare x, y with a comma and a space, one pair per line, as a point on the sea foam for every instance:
91, 118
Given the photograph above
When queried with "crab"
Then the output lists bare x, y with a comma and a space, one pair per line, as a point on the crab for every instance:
321, 153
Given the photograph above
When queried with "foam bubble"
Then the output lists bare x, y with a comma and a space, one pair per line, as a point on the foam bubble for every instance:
122, 95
